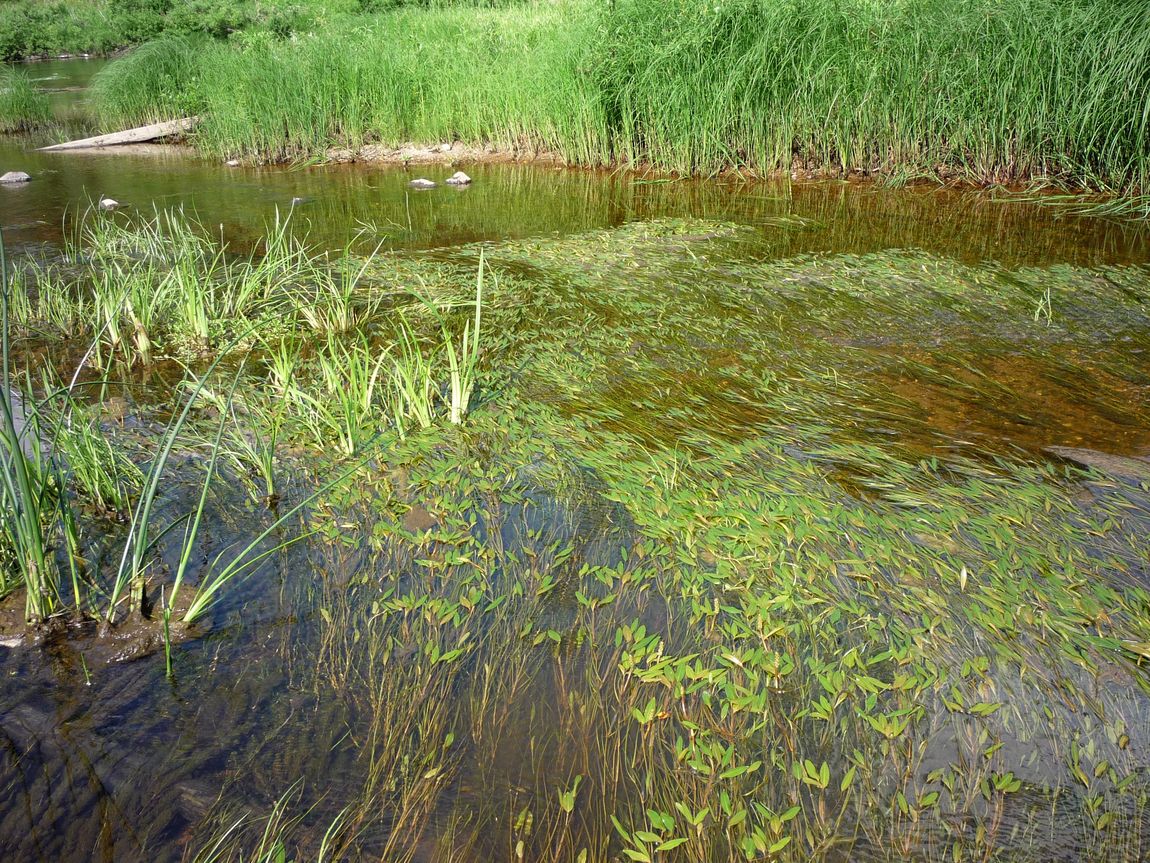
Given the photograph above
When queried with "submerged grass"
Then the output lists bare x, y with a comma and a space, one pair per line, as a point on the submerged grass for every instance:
696, 580
987, 91
701, 588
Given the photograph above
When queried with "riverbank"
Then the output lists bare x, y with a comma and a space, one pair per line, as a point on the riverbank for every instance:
989, 93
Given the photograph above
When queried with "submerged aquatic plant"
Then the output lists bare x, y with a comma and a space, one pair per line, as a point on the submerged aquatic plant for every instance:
698, 582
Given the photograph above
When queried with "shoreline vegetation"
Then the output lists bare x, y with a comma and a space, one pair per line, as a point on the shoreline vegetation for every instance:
987, 93
1050, 95
22, 106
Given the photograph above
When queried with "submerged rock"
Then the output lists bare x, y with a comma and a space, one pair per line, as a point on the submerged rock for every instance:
422, 183
15, 177
459, 179
109, 204
419, 520
1116, 465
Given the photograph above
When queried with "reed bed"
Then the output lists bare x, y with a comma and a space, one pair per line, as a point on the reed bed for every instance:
22, 106
987, 92
507, 77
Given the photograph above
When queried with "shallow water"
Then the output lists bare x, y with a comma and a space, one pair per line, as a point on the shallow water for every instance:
742, 410
509, 201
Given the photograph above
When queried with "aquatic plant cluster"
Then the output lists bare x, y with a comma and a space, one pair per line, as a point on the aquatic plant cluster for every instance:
985, 91
136, 292
22, 106
730, 557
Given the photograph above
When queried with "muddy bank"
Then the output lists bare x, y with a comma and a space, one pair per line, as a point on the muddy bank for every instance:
455, 152
801, 170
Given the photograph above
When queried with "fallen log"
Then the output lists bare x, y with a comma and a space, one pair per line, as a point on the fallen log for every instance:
139, 135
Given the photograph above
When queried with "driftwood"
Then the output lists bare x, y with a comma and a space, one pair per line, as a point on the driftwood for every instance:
138, 135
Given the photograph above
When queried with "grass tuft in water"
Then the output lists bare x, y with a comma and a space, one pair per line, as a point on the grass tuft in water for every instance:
22, 106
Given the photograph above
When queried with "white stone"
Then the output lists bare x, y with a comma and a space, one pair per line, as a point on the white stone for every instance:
108, 204
232, 163
459, 179
15, 177
422, 183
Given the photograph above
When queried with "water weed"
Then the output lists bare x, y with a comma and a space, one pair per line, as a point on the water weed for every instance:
736, 558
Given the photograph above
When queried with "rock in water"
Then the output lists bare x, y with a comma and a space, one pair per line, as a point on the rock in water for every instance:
459, 179
232, 163
422, 183
15, 177
1116, 465
108, 205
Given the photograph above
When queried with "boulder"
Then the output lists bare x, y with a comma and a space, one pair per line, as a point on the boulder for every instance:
459, 179
422, 183
15, 177
108, 205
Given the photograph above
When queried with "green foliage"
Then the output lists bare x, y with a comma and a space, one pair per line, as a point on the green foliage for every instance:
155, 82
22, 106
993, 90
986, 91
34, 27
724, 567
507, 77
31, 28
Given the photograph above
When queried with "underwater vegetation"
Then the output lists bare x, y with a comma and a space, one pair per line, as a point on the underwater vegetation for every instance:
639, 544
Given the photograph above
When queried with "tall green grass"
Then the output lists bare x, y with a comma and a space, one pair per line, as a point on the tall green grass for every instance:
162, 69
507, 77
995, 90
22, 106
990, 91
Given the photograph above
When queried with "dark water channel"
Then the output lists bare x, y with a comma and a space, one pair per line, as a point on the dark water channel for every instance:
120, 763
